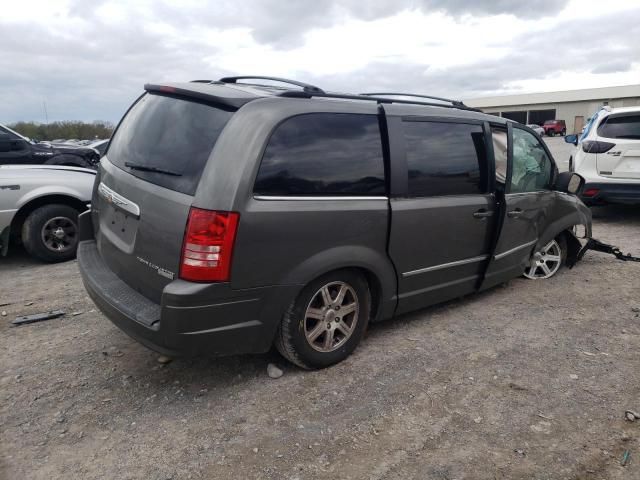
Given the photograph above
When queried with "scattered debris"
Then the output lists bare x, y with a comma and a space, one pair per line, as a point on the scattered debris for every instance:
573, 376
4, 313
631, 416
163, 359
36, 317
75, 314
626, 456
635, 309
255, 449
273, 371
515, 386
542, 416
5, 304
519, 451
589, 354
28, 304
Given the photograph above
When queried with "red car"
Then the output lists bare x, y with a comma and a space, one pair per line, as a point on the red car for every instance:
551, 127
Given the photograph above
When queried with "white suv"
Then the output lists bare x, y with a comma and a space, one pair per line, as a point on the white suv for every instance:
608, 156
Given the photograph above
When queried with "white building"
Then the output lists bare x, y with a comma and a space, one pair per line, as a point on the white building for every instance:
572, 106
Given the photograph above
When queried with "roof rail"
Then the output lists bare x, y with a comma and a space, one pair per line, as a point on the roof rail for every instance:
452, 102
305, 86
200, 81
369, 97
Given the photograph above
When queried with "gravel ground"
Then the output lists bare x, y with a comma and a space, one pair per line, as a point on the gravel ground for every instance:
528, 380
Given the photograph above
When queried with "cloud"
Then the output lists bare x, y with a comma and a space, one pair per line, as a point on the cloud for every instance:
90, 64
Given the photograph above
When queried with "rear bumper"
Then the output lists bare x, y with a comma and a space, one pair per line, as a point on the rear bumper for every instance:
192, 318
623, 193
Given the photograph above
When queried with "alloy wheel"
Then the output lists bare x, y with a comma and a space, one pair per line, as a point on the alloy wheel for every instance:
546, 262
331, 316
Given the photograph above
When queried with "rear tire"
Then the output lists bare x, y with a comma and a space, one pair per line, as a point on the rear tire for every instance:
50, 233
327, 320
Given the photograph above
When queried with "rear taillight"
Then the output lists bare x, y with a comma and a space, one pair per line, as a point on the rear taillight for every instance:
592, 146
208, 245
590, 192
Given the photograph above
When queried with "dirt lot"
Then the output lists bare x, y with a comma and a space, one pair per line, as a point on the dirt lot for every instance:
529, 380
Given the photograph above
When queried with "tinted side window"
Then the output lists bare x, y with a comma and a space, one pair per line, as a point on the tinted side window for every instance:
623, 126
531, 169
323, 154
445, 158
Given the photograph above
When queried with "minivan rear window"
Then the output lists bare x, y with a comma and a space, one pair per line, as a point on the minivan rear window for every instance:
620, 126
168, 134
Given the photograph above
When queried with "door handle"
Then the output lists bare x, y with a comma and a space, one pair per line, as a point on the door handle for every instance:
483, 213
515, 213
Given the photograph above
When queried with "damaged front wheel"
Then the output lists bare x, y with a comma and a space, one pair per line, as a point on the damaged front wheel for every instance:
546, 262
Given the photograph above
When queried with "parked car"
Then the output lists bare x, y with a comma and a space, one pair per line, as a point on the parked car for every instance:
536, 128
39, 207
18, 149
100, 146
608, 156
296, 216
553, 127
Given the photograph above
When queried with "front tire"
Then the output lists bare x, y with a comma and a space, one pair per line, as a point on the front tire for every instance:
50, 233
325, 323
546, 262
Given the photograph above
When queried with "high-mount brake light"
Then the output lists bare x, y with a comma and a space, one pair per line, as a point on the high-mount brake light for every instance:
208, 245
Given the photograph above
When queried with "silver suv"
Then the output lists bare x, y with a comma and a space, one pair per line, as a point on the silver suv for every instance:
227, 216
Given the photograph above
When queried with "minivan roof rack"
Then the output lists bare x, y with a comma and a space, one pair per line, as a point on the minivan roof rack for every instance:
370, 97
305, 86
456, 103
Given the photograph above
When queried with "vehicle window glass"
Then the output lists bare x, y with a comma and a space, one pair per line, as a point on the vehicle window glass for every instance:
531, 169
323, 154
445, 158
12, 136
500, 153
170, 134
620, 126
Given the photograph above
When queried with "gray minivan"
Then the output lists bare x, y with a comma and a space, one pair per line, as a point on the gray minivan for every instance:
228, 217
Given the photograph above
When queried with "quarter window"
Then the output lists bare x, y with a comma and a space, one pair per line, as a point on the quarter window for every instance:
323, 154
531, 165
500, 153
445, 158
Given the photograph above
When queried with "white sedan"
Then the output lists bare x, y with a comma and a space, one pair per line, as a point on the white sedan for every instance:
537, 128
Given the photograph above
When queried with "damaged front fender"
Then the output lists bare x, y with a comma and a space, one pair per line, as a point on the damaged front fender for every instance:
571, 218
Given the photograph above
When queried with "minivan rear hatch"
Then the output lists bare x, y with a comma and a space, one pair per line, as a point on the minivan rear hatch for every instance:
147, 181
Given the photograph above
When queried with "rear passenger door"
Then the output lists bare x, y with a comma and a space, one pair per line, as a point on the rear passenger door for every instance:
528, 199
442, 206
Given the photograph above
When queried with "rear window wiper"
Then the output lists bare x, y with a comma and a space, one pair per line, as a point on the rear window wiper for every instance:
147, 168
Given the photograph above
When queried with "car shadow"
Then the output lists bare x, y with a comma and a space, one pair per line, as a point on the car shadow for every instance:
627, 214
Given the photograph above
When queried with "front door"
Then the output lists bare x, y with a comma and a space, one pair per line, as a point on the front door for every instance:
527, 199
442, 211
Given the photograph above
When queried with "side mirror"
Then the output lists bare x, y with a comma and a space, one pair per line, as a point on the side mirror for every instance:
570, 182
571, 139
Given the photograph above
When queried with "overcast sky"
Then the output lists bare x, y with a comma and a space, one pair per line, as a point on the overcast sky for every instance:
89, 60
